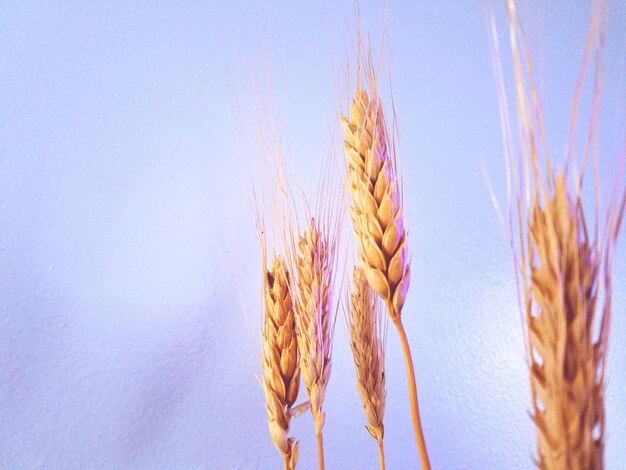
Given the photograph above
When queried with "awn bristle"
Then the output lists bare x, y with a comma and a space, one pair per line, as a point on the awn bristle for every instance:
315, 319
281, 369
376, 209
365, 325
567, 390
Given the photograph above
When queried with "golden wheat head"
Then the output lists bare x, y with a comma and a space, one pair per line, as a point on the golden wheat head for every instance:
367, 341
561, 267
567, 394
280, 366
314, 316
376, 209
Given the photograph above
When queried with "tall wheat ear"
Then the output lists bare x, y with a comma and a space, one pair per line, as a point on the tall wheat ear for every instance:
367, 331
315, 318
563, 273
377, 218
568, 399
280, 361
280, 366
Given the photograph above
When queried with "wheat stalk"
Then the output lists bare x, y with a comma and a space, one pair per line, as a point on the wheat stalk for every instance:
314, 319
280, 366
378, 222
560, 266
367, 341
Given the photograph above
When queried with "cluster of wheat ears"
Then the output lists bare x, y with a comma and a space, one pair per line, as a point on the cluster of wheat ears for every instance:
561, 270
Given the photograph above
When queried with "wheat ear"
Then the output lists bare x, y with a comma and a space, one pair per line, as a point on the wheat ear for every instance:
567, 395
367, 340
378, 223
280, 366
314, 319
561, 268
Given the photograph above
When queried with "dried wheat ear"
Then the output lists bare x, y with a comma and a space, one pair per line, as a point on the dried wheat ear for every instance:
314, 319
367, 340
376, 209
378, 222
566, 385
280, 367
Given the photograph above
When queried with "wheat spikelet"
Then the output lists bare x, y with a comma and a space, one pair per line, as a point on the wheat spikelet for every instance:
567, 396
363, 317
314, 319
376, 209
280, 366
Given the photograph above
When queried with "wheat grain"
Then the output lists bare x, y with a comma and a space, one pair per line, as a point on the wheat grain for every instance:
367, 341
280, 366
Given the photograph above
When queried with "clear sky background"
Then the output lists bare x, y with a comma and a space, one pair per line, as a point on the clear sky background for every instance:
128, 144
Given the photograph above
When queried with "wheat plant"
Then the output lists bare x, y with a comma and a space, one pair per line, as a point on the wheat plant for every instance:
377, 217
563, 268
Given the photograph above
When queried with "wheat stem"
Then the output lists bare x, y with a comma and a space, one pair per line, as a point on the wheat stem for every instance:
381, 454
320, 449
415, 412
